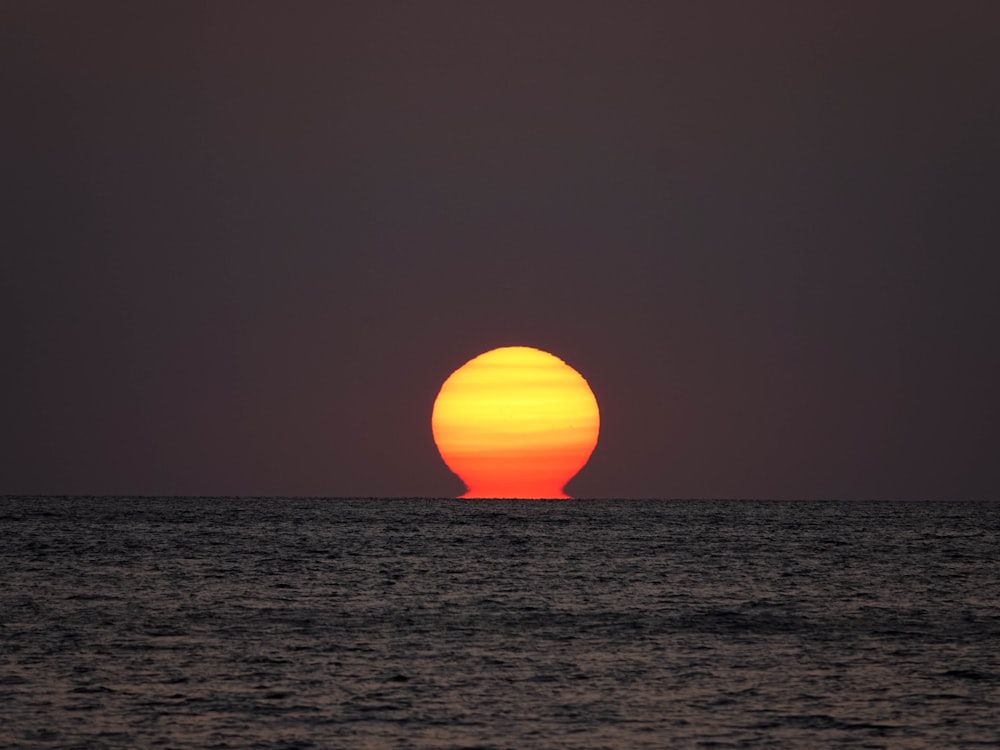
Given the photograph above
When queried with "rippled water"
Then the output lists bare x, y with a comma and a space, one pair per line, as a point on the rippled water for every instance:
496, 624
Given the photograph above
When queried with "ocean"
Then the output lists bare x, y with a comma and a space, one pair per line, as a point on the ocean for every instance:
374, 623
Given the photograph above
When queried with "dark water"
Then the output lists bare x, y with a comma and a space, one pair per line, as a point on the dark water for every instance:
497, 624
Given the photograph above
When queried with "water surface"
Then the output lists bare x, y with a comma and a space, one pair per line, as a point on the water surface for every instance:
273, 622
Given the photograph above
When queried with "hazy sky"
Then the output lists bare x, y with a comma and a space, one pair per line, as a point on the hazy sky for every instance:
243, 244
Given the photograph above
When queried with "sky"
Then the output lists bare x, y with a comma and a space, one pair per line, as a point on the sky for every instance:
244, 243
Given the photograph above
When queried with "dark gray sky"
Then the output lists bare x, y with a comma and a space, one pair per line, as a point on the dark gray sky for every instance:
243, 244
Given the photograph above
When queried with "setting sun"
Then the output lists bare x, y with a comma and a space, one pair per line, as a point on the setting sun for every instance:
515, 422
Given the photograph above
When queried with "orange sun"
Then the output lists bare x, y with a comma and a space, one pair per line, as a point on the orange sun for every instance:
515, 422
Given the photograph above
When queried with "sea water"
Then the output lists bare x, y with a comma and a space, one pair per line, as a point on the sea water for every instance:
370, 623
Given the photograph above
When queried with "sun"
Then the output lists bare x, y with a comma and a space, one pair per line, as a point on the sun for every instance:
515, 422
